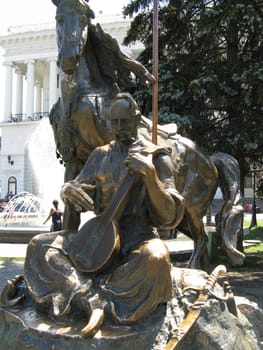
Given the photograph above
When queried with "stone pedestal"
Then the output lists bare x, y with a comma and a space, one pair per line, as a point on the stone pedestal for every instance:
27, 329
23, 327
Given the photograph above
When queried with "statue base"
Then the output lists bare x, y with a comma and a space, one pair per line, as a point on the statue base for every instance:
23, 327
28, 329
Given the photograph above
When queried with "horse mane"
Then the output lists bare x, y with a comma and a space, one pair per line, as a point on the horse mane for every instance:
113, 63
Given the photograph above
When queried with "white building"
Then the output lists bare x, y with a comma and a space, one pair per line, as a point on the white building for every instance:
31, 89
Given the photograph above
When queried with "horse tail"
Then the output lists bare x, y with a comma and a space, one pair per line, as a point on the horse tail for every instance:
229, 219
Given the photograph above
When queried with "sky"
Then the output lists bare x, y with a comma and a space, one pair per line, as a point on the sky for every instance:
17, 12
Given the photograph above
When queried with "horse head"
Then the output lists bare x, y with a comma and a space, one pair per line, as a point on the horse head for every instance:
72, 20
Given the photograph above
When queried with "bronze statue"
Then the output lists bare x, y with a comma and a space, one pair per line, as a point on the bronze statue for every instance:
115, 270
93, 70
111, 280
115, 263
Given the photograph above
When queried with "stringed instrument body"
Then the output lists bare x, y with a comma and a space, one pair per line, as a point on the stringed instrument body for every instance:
97, 243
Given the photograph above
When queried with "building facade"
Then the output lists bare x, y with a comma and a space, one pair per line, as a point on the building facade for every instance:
31, 89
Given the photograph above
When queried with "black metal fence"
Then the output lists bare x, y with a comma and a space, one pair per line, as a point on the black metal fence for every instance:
22, 117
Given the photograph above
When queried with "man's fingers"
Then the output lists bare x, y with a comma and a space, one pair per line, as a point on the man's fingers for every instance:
86, 187
84, 201
80, 200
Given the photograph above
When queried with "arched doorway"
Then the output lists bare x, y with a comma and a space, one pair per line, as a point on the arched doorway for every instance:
12, 187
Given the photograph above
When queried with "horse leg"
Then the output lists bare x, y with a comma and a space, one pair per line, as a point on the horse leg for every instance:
199, 258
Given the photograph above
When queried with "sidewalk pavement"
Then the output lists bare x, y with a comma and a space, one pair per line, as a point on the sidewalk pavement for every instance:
12, 250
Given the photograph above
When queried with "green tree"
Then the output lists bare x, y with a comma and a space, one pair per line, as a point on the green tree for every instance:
210, 71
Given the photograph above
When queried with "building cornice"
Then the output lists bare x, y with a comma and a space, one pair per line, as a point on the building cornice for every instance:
39, 40
13, 39
116, 25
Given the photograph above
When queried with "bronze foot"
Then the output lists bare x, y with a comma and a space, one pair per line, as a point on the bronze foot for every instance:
94, 324
96, 316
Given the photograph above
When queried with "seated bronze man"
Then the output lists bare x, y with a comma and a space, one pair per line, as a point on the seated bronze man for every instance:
115, 265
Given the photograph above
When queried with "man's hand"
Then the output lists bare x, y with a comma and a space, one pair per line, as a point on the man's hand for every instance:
140, 163
74, 194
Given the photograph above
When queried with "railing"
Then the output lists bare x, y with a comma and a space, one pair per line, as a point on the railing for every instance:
31, 27
111, 18
17, 117
22, 117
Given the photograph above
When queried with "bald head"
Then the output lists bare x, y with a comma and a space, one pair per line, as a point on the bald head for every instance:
124, 104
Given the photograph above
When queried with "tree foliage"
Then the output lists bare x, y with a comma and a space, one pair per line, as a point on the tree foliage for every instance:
210, 71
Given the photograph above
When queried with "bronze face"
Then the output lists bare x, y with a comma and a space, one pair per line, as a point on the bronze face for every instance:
124, 126
125, 118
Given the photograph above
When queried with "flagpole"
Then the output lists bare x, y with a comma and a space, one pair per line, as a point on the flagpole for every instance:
155, 72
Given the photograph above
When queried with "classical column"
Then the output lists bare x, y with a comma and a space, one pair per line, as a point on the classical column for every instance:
8, 90
52, 81
30, 89
19, 93
45, 93
38, 99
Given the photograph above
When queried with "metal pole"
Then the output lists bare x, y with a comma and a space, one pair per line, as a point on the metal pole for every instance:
155, 72
254, 207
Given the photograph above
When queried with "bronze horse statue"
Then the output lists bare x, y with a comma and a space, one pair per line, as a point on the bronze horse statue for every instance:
92, 68
92, 71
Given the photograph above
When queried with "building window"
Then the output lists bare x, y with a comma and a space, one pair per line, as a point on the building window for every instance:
12, 187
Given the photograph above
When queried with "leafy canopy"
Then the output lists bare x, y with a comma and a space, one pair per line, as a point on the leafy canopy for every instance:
210, 71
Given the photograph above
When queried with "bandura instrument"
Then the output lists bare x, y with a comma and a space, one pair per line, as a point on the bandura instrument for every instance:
97, 242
